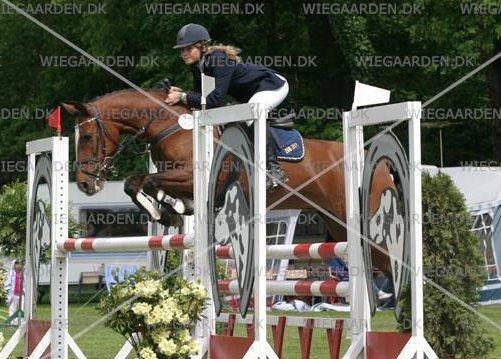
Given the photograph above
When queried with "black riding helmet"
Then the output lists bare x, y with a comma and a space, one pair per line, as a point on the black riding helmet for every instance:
191, 34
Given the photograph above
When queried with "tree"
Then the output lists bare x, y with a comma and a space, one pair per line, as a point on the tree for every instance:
451, 260
13, 219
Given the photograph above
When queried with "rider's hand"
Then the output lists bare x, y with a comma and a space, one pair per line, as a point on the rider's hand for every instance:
175, 88
172, 98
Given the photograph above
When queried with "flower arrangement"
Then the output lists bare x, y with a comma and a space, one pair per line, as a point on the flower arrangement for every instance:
156, 314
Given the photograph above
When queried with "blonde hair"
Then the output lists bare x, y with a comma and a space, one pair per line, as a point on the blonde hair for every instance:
230, 50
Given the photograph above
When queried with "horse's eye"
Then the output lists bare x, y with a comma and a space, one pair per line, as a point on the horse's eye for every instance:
87, 137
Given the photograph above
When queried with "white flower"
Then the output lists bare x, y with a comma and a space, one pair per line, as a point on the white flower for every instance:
184, 349
159, 335
124, 292
200, 293
194, 347
198, 290
167, 346
183, 318
147, 288
147, 353
184, 336
141, 308
164, 294
160, 314
185, 291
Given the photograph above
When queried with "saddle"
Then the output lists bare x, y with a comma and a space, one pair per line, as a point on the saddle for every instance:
289, 141
284, 122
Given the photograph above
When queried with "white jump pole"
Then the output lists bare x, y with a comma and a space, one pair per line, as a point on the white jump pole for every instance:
127, 244
317, 288
294, 251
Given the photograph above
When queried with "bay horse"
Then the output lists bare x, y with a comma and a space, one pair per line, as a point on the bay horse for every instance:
101, 122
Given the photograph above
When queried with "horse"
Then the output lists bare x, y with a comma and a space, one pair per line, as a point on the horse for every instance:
102, 122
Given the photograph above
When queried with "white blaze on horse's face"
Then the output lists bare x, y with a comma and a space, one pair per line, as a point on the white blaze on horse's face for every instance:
77, 137
85, 183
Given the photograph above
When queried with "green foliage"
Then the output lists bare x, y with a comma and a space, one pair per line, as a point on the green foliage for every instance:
158, 313
3, 290
13, 219
172, 261
451, 260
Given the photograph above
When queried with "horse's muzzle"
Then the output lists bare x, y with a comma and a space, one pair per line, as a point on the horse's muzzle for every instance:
90, 186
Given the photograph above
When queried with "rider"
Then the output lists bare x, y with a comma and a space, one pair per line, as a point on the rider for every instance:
244, 82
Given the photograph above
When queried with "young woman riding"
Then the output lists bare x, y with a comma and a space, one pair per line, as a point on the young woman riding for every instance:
244, 82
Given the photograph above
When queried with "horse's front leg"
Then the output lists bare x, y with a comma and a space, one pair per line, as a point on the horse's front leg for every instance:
133, 187
173, 187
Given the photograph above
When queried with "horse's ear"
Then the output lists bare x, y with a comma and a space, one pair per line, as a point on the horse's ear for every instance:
75, 108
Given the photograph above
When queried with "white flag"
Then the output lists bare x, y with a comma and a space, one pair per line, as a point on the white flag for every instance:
208, 85
369, 95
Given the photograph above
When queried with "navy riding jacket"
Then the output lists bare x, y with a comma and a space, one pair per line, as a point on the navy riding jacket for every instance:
239, 80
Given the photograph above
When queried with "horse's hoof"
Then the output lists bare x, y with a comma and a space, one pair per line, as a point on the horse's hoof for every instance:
189, 206
170, 220
176, 221
164, 221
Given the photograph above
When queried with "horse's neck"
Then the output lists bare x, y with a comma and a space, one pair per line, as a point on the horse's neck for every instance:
134, 120
179, 144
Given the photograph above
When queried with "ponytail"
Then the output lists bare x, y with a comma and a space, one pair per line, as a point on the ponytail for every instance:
231, 51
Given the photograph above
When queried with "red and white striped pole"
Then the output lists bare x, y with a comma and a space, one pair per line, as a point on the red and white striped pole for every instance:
127, 244
329, 287
294, 251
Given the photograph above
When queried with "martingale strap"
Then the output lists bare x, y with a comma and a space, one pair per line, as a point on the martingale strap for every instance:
164, 134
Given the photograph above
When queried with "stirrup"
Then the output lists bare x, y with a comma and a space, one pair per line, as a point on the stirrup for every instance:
274, 176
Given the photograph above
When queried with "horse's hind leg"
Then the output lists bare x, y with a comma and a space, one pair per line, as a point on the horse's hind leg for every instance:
133, 187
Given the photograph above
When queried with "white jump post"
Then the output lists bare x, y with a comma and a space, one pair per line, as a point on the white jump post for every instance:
353, 123
57, 336
203, 138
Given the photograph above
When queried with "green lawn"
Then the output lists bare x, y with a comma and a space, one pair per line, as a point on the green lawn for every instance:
101, 343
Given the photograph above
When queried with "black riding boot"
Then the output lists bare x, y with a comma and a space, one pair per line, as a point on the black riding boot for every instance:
274, 173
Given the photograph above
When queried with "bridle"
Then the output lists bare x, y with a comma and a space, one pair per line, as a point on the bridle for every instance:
105, 162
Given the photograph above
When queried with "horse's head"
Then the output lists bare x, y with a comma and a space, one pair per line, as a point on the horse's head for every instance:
96, 141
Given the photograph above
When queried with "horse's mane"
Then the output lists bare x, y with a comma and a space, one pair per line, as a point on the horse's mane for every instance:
154, 91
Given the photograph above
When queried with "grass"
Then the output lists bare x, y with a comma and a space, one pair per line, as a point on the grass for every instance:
101, 343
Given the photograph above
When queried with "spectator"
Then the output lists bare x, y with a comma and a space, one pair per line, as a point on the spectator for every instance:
339, 269
14, 286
